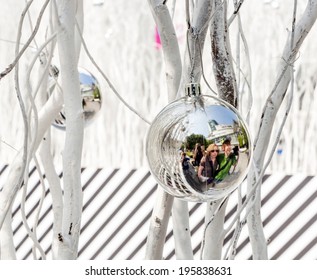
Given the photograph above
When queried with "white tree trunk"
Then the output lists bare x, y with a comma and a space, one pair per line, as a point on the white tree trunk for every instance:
192, 68
162, 210
181, 230
7, 247
192, 71
214, 235
55, 191
158, 225
221, 54
227, 90
271, 108
69, 236
172, 59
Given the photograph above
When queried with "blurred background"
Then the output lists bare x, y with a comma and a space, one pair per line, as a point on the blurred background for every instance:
122, 38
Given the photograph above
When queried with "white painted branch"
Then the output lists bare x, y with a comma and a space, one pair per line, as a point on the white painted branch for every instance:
74, 131
192, 68
47, 159
158, 225
221, 54
7, 246
80, 22
172, 59
272, 106
227, 90
181, 230
214, 233
93, 61
55, 191
164, 201
17, 167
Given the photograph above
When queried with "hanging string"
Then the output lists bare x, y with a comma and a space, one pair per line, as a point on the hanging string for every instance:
194, 32
106, 78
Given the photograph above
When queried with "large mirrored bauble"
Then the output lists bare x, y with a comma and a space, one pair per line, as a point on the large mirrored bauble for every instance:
91, 99
203, 123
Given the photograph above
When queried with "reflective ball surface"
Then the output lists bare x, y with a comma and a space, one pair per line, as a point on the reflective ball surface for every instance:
91, 99
199, 148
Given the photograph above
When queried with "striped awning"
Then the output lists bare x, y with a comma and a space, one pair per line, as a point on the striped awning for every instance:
118, 205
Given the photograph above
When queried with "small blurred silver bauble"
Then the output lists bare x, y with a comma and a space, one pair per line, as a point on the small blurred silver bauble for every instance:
198, 121
91, 98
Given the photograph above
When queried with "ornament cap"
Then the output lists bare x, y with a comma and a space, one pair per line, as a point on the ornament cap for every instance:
192, 89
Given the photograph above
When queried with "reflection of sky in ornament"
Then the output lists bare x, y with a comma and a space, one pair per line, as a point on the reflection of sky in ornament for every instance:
221, 114
198, 123
200, 119
86, 79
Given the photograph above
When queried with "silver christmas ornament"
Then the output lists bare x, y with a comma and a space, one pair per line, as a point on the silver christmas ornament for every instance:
198, 147
91, 98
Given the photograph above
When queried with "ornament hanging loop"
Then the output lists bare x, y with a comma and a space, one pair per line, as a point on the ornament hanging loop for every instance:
192, 90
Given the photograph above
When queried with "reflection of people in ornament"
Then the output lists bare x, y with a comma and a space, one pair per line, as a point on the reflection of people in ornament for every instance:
185, 161
226, 160
209, 164
198, 154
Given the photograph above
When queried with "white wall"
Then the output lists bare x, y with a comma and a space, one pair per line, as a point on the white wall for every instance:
120, 36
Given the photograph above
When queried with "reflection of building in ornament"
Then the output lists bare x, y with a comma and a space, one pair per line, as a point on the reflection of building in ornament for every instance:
219, 132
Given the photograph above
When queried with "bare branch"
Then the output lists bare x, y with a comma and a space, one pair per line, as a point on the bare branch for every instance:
27, 44
221, 55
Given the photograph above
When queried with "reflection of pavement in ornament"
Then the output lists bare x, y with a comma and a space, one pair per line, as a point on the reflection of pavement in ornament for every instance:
242, 162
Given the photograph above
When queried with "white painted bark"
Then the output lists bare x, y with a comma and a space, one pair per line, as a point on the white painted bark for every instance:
221, 54
172, 59
46, 158
55, 191
181, 230
74, 131
158, 225
46, 116
192, 68
227, 90
271, 108
214, 234
191, 72
7, 247
164, 201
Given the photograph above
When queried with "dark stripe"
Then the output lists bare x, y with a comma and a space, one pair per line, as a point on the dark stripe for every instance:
50, 208
30, 213
137, 228
264, 200
47, 212
287, 199
115, 232
307, 248
234, 209
93, 176
293, 216
114, 213
100, 188
137, 249
29, 194
195, 207
3, 168
280, 207
50, 228
275, 190
295, 237
197, 248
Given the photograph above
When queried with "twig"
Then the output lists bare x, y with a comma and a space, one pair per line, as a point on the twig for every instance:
107, 80
27, 44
